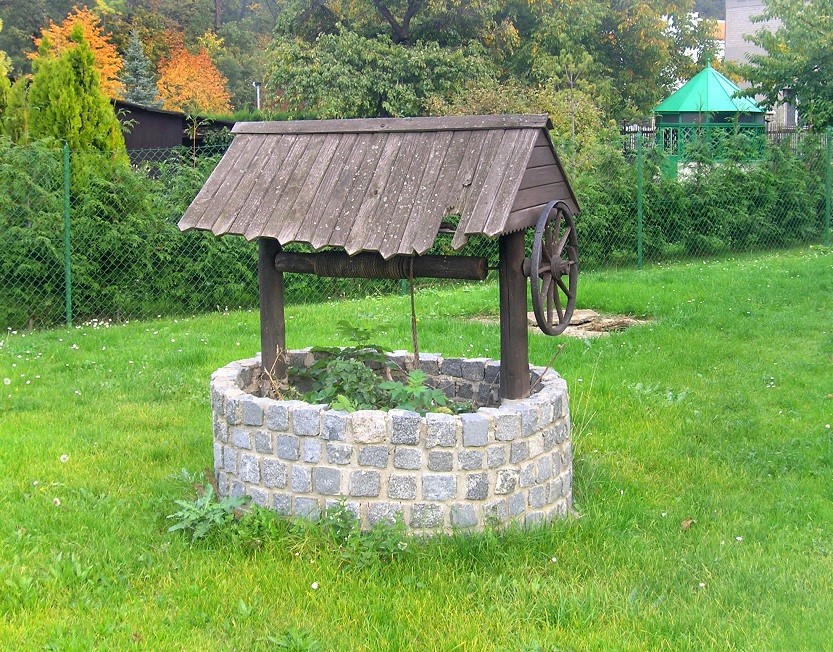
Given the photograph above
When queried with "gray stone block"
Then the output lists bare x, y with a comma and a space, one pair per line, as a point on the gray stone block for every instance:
301, 479
561, 432
496, 456
220, 428
556, 463
442, 430
273, 473
376, 456
218, 405
233, 407
566, 455
430, 363
427, 516
477, 486
339, 453
407, 458
555, 489
470, 460
387, 513
282, 504
474, 368
517, 504
249, 469
277, 417
402, 487
495, 512
518, 452
464, 391
350, 505
506, 481
537, 496
491, 372
441, 461
439, 487
312, 451
237, 489
507, 425
475, 429
365, 484
549, 436
544, 468
326, 481
534, 518
405, 427
263, 442
251, 411
452, 367
218, 456
288, 447
260, 497
307, 508
230, 460
463, 516
536, 444
369, 426
222, 484
484, 395
545, 413
241, 438
527, 477
334, 427
306, 420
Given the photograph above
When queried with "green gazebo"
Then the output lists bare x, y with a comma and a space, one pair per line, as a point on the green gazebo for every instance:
708, 106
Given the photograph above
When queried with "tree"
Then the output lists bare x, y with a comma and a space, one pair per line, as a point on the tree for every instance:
107, 61
66, 102
191, 83
137, 78
798, 61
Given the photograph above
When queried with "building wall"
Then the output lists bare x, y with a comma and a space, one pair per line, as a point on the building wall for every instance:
739, 23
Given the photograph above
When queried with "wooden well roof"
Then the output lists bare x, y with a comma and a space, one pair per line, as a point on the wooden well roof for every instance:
382, 185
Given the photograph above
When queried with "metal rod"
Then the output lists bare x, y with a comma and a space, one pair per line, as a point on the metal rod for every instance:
639, 199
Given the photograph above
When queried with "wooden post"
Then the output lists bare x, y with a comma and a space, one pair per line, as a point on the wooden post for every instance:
514, 328
272, 322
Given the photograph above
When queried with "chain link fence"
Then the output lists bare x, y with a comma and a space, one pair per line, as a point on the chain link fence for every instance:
93, 235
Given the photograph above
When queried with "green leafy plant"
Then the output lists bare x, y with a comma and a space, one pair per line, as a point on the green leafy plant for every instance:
415, 395
205, 513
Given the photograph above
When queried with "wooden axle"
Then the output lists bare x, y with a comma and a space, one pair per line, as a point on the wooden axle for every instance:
372, 265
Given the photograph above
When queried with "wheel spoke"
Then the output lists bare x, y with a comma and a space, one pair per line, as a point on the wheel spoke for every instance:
558, 306
564, 288
562, 241
545, 269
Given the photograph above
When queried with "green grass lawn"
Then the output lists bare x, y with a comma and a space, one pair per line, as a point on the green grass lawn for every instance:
720, 411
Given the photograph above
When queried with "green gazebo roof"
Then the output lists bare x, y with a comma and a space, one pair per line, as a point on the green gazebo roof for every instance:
708, 92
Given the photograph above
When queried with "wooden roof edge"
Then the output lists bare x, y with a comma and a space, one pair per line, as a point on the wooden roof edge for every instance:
392, 125
563, 171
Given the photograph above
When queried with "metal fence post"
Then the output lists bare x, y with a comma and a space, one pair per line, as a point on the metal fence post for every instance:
639, 199
827, 190
67, 257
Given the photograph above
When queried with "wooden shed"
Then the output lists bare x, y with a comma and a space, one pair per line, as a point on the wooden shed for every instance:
380, 190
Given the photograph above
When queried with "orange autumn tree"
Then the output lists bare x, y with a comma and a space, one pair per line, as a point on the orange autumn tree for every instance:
108, 63
191, 83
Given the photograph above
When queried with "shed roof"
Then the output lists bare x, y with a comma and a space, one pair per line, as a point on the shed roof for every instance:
708, 92
382, 185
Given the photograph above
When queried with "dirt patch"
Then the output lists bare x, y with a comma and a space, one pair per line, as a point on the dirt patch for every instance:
585, 323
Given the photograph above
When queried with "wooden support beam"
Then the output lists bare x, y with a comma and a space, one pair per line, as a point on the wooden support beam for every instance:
372, 265
514, 329
272, 322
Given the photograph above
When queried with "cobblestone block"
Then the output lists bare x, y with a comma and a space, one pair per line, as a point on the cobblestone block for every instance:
301, 479
484, 395
555, 489
430, 363
477, 486
439, 487
349, 505
442, 430
475, 429
218, 399
249, 469
230, 460
384, 513
536, 444
442, 461
237, 489
402, 487
260, 497
307, 508
527, 477
376, 456
222, 484
505, 481
399, 358
405, 427
233, 398
474, 368
507, 425
463, 516
496, 456
464, 391
518, 452
365, 484
241, 438
282, 503
407, 458
288, 447
538, 496
495, 511
220, 428
312, 451
491, 372
326, 481
301, 357
561, 432
426, 515
566, 455
263, 442
273, 473
369, 427
517, 504
556, 463
306, 420
277, 417
218, 456
470, 460
339, 453
544, 468
545, 413
334, 427
534, 518
251, 411
452, 367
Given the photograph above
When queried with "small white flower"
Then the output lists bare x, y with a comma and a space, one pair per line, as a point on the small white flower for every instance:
553, 560
64, 459
702, 585
7, 381
738, 538
77, 393
35, 483
56, 502
314, 586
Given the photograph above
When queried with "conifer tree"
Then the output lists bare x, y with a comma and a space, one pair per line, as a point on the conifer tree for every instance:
66, 102
136, 76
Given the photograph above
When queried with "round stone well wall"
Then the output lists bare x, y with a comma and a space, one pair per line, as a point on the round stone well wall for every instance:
509, 461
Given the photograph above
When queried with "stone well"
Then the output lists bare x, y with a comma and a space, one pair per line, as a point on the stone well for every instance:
505, 462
